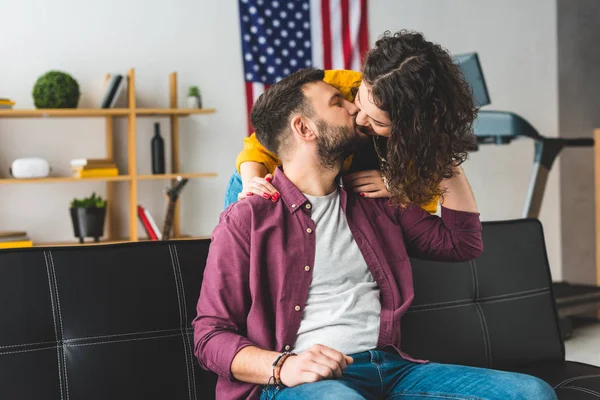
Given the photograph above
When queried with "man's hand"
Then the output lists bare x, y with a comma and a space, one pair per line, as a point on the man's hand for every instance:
315, 364
260, 186
368, 183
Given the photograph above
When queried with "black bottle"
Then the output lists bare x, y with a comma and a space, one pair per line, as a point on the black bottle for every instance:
158, 151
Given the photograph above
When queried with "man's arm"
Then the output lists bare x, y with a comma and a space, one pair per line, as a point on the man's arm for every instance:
224, 303
456, 236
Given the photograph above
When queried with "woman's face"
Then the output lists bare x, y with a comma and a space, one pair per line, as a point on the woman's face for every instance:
370, 118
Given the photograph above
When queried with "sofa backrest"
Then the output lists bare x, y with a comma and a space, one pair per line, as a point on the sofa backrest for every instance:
113, 321
497, 311
101, 322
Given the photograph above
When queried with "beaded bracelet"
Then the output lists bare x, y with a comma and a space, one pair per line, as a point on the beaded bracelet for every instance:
277, 367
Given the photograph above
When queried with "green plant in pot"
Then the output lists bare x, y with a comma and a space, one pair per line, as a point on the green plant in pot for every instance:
56, 89
88, 216
193, 99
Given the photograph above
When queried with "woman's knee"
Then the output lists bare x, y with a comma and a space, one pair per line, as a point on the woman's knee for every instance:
530, 387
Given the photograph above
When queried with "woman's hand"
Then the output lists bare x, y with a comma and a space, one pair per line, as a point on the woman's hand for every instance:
368, 183
261, 187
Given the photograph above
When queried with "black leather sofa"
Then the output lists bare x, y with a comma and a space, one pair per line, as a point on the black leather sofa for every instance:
113, 321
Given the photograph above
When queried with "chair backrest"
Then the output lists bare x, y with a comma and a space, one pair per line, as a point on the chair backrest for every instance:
496, 311
100, 322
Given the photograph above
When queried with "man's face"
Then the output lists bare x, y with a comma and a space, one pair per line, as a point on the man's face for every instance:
336, 132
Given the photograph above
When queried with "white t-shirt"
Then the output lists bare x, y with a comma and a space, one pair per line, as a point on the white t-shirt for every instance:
343, 306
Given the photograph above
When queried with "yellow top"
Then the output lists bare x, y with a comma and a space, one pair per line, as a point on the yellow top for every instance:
347, 82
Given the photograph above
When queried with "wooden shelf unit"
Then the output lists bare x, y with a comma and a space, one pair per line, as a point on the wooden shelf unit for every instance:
130, 175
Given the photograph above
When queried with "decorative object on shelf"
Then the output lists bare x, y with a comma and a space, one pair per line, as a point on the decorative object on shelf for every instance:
29, 167
14, 239
6, 103
56, 89
94, 167
88, 216
114, 88
158, 151
173, 196
148, 223
194, 100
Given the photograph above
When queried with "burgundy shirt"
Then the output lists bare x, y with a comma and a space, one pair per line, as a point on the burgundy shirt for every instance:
259, 269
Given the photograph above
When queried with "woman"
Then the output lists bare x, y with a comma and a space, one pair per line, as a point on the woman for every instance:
417, 106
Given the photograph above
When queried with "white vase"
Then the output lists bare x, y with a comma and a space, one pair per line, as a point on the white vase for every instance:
193, 102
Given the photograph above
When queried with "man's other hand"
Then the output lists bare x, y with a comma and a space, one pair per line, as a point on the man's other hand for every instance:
315, 364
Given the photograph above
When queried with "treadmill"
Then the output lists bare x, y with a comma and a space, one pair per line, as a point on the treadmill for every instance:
501, 128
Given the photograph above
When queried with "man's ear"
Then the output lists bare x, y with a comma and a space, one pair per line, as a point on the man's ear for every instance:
301, 128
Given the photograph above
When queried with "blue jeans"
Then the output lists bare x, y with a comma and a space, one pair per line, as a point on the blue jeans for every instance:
234, 187
382, 375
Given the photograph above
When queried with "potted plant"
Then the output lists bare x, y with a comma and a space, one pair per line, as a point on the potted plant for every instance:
193, 100
88, 215
56, 89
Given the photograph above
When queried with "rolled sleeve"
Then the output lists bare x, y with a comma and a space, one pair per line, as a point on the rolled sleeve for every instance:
254, 151
220, 325
456, 236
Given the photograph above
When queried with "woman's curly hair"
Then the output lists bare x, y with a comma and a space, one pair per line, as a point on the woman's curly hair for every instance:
431, 109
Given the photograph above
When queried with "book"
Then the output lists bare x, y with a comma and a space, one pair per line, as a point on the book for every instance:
4, 234
96, 172
92, 162
14, 245
92, 168
113, 89
153, 224
145, 223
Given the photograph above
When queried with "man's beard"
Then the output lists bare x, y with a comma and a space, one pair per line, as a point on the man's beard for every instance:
335, 144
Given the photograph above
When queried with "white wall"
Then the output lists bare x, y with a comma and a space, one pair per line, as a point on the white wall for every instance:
517, 45
199, 39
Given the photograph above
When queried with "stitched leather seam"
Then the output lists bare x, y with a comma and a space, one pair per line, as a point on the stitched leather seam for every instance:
575, 378
486, 339
580, 389
411, 311
187, 364
62, 330
55, 326
118, 335
122, 341
188, 348
29, 351
481, 299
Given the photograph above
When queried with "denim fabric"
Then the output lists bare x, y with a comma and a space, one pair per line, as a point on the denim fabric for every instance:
383, 375
234, 187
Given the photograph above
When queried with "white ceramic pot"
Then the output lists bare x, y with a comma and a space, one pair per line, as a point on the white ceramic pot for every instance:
193, 102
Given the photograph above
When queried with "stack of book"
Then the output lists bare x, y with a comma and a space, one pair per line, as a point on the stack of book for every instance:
14, 239
6, 103
93, 167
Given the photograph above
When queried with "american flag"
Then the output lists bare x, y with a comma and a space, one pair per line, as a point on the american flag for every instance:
280, 37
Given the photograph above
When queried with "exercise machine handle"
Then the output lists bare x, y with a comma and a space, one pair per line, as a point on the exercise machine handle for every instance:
579, 142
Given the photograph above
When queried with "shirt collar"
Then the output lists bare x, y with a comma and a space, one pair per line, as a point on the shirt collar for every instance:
292, 197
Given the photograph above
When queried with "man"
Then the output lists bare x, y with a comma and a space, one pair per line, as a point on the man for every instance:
302, 297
